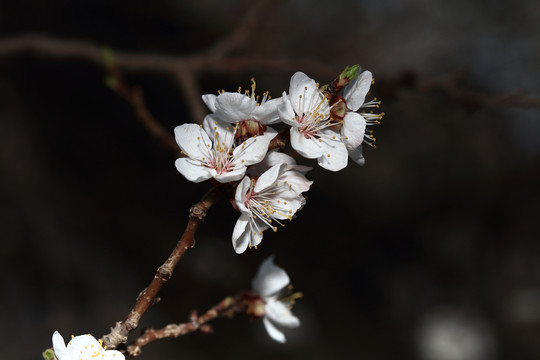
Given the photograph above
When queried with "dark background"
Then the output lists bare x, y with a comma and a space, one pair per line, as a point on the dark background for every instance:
432, 244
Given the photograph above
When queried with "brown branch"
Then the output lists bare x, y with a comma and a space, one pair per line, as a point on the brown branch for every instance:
281, 139
242, 31
134, 96
146, 298
227, 307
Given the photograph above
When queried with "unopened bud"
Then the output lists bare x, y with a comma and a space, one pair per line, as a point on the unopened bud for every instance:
347, 75
48, 354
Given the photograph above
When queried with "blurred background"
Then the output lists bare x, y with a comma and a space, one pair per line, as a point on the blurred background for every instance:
430, 251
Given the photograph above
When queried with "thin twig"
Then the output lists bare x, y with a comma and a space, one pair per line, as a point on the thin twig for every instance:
197, 213
227, 307
135, 97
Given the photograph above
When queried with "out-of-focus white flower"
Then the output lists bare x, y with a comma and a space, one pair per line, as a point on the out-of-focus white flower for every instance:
448, 334
269, 283
214, 154
353, 131
313, 135
250, 113
83, 347
266, 201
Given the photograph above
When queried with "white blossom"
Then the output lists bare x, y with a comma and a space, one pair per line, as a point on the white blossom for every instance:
248, 111
266, 201
353, 131
313, 134
269, 283
213, 153
82, 347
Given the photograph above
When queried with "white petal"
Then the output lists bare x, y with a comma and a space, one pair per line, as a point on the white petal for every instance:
280, 314
270, 133
270, 279
286, 111
354, 127
112, 355
267, 113
193, 170
82, 346
192, 140
240, 194
356, 155
303, 93
298, 181
210, 101
234, 175
335, 155
269, 177
308, 148
273, 332
240, 239
59, 347
234, 107
251, 151
355, 93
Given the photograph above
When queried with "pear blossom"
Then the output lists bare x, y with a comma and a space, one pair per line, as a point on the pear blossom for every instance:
269, 283
82, 347
313, 134
266, 201
213, 153
248, 111
353, 131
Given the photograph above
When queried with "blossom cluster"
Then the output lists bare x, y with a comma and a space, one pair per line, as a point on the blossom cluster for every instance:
232, 145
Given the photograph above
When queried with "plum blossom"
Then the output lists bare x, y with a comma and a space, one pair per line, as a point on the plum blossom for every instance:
269, 283
213, 153
266, 201
353, 131
82, 347
313, 134
248, 111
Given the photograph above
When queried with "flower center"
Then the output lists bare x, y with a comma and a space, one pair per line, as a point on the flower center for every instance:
267, 205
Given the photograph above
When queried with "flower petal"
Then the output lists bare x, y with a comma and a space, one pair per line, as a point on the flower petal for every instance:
273, 331
269, 177
82, 346
210, 101
193, 170
234, 107
286, 111
270, 279
112, 355
298, 181
240, 194
192, 140
354, 127
251, 151
356, 155
240, 239
280, 314
309, 148
234, 175
59, 347
267, 113
335, 154
304, 93
355, 93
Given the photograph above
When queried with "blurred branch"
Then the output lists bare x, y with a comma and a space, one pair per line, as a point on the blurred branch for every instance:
228, 307
134, 96
453, 86
147, 297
